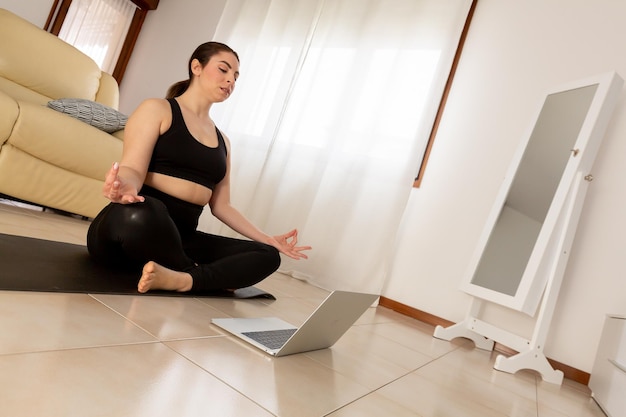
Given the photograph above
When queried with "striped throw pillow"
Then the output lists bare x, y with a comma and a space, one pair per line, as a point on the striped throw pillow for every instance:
98, 115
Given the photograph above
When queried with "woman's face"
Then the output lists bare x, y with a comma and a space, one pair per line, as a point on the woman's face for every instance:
218, 76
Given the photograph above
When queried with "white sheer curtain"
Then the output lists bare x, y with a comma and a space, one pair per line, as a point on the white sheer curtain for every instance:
329, 122
98, 28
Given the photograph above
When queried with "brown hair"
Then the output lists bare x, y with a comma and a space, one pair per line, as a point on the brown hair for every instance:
203, 54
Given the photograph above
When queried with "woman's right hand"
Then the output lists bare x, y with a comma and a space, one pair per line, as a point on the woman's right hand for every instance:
117, 190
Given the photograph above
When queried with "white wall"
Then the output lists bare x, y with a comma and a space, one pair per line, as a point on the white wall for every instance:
514, 52
35, 11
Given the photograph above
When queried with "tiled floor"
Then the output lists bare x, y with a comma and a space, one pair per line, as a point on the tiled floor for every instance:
109, 355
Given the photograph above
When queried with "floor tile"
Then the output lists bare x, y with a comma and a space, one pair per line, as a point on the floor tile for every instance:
139, 380
569, 399
166, 318
33, 321
417, 336
21, 221
455, 393
282, 285
293, 385
290, 309
376, 405
373, 361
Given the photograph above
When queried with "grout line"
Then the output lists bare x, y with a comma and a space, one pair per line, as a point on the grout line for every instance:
203, 369
124, 317
393, 381
537, 394
68, 349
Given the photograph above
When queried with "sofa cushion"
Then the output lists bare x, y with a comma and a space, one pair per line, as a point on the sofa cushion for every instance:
20, 93
64, 142
96, 114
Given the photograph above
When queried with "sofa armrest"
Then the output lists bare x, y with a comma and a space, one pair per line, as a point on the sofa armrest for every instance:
108, 92
42, 62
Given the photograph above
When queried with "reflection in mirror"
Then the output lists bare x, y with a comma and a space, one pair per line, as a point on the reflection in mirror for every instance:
510, 245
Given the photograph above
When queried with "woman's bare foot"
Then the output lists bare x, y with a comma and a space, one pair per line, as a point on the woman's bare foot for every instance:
158, 277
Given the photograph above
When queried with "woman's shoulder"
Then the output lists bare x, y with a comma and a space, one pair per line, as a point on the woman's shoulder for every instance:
155, 104
153, 108
151, 112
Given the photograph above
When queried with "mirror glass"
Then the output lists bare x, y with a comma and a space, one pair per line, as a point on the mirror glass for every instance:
513, 237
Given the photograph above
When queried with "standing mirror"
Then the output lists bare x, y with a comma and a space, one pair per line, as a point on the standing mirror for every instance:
511, 263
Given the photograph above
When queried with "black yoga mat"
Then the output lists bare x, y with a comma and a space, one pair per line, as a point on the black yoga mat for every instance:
28, 264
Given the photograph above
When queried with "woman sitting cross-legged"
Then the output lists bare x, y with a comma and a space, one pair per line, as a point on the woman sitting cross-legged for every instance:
174, 162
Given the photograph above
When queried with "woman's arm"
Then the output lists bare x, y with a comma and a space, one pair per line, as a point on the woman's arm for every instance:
230, 216
125, 179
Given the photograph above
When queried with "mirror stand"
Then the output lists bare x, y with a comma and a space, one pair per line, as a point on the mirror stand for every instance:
530, 352
522, 254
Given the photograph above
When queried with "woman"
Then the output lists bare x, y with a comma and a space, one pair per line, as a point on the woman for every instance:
174, 162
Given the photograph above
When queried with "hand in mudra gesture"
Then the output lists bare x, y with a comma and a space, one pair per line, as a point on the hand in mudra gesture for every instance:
286, 244
119, 191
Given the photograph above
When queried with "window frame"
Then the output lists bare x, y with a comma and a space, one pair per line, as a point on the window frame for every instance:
444, 97
58, 12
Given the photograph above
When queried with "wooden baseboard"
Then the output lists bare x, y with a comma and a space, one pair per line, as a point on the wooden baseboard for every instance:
568, 371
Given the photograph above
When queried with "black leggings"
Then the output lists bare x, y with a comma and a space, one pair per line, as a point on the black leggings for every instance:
163, 229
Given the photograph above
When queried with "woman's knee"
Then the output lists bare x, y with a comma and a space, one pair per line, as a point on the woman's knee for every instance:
272, 256
146, 215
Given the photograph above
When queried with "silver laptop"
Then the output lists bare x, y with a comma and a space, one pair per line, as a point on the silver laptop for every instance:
322, 329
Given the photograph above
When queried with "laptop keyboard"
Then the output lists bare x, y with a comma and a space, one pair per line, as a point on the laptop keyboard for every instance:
273, 339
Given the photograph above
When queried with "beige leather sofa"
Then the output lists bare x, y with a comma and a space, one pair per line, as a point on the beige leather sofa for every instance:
47, 157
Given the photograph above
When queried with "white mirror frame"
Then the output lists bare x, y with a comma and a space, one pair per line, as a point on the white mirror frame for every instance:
550, 254
537, 271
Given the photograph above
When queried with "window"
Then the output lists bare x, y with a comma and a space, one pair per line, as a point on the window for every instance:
106, 30
299, 79
98, 29
330, 120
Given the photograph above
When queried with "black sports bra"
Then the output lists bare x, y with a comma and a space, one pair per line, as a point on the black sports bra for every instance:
178, 154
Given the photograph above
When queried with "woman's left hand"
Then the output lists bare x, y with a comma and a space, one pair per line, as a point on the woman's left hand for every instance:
286, 244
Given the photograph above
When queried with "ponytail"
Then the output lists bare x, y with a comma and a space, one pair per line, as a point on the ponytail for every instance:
177, 89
